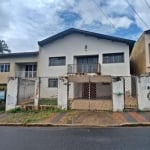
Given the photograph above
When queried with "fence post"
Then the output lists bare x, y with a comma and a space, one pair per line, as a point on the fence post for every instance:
118, 94
12, 91
36, 93
63, 93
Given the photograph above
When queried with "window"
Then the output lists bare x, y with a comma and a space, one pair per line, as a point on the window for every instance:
30, 70
57, 61
4, 67
113, 58
52, 82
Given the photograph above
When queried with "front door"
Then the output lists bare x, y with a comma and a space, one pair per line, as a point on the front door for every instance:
89, 90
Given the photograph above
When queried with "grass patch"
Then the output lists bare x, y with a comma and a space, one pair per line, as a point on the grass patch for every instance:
44, 101
48, 102
2, 108
31, 116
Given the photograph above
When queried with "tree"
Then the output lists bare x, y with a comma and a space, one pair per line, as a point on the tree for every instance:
4, 47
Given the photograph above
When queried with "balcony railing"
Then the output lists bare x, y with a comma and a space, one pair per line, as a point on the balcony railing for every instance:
26, 74
83, 68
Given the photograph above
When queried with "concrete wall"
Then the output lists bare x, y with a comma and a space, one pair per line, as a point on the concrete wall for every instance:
118, 94
45, 91
138, 57
103, 90
12, 91
143, 87
73, 45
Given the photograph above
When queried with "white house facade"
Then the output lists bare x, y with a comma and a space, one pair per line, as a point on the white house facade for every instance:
81, 56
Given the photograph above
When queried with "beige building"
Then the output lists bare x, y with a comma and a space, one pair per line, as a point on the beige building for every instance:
140, 56
17, 65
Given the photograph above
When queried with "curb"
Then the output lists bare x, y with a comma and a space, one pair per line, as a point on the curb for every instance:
139, 124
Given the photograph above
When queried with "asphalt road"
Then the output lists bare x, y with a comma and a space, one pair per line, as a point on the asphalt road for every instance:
25, 138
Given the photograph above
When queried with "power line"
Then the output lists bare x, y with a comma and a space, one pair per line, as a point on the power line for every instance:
107, 17
146, 2
137, 14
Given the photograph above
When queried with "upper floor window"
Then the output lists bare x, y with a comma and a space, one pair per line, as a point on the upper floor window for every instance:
5, 67
113, 58
57, 61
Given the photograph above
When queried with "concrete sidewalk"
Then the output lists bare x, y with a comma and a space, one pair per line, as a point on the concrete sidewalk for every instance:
85, 119
89, 118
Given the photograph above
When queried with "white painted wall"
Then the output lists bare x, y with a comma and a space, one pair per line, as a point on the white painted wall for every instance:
11, 97
103, 90
118, 100
78, 90
73, 45
36, 93
45, 91
143, 87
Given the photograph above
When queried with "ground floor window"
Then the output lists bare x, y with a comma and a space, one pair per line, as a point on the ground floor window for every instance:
53, 82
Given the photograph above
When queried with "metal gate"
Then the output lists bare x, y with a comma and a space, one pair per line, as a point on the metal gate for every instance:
3, 88
89, 90
25, 90
130, 88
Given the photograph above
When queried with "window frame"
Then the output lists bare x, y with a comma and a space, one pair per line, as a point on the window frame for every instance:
4, 67
109, 58
53, 84
57, 59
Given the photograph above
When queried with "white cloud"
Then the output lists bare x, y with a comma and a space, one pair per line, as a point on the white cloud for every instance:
32, 20
121, 22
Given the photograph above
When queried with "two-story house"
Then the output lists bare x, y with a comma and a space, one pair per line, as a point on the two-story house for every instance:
88, 59
22, 65
140, 56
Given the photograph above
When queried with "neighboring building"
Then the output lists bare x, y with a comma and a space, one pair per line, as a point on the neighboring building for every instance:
17, 65
140, 56
77, 53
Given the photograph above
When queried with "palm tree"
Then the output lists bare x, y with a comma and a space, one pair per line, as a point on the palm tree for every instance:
3, 47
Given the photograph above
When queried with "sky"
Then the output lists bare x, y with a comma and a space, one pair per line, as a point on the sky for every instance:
25, 22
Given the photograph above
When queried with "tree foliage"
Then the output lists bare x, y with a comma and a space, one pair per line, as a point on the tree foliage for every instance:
4, 47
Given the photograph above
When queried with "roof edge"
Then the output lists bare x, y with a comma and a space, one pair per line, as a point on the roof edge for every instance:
74, 30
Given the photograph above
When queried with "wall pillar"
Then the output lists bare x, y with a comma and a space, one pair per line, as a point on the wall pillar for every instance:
12, 91
63, 93
37, 93
118, 94
143, 90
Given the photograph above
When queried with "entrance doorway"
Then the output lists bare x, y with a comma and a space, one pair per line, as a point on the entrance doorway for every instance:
89, 90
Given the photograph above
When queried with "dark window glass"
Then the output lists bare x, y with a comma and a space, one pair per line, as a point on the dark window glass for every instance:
4, 67
113, 58
52, 82
57, 61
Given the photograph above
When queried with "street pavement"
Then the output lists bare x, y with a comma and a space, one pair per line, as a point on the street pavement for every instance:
52, 138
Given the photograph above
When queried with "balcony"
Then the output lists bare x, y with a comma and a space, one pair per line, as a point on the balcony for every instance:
26, 74
83, 68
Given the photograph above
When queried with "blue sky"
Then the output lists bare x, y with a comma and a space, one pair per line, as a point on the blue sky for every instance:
32, 20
